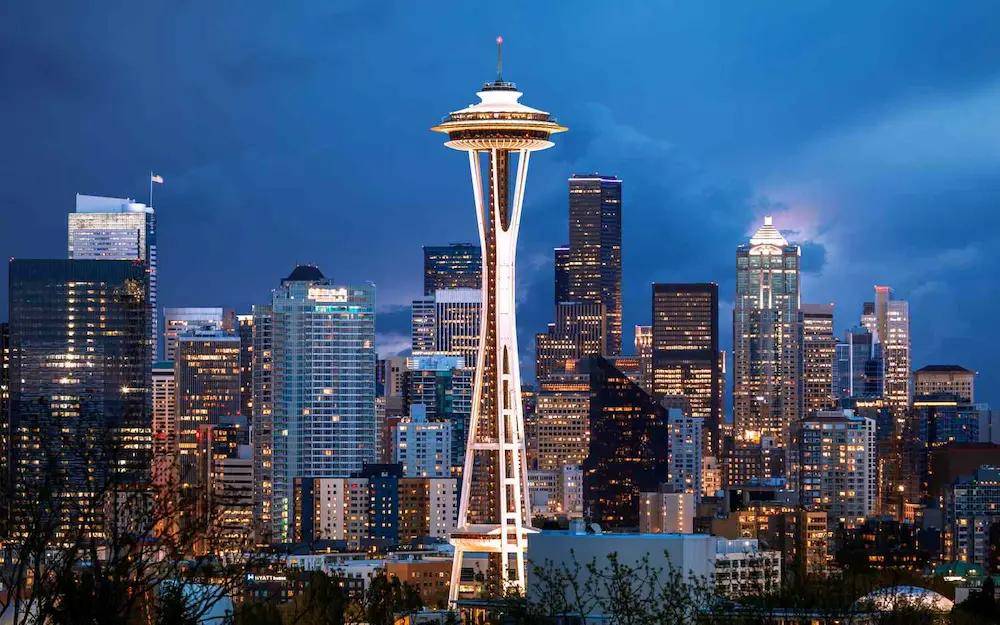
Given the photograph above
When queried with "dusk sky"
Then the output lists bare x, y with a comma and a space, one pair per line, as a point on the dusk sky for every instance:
295, 132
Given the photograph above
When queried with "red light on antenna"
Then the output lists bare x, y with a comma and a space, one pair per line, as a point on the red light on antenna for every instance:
499, 39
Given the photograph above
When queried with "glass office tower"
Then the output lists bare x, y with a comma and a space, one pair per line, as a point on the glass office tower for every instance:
767, 359
455, 266
109, 228
80, 396
594, 267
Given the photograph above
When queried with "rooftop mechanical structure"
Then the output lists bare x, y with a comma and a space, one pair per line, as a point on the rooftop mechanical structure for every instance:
499, 134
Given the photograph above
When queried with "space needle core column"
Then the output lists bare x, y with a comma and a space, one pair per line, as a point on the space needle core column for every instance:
494, 513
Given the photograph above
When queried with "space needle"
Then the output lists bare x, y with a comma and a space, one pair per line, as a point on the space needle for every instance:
494, 514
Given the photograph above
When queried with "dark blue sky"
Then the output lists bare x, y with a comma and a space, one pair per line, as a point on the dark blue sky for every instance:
298, 132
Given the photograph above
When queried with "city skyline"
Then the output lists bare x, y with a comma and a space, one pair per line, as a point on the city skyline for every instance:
737, 319
695, 188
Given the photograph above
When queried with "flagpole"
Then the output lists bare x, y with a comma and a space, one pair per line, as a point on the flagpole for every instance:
151, 189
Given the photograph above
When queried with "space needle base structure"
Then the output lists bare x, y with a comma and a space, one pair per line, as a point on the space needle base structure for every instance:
499, 134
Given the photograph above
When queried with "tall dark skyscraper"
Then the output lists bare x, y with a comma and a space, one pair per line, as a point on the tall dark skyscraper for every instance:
80, 383
561, 263
594, 269
686, 358
207, 384
818, 355
455, 266
628, 446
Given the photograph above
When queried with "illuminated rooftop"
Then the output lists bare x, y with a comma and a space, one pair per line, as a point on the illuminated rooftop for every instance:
768, 235
499, 120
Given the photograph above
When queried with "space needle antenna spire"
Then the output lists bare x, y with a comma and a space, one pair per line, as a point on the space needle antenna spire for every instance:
499, 58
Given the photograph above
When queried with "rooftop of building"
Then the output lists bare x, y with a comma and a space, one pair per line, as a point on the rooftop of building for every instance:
594, 176
943, 369
101, 204
767, 234
305, 273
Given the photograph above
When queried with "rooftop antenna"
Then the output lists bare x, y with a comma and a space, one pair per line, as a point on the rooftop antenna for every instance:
499, 58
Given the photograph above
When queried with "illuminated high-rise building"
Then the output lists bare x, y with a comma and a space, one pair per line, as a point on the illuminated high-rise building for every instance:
953, 379
323, 421
80, 380
423, 447
579, 331
110, 228
818, 355
262, 419
684, 458
891, 320
207, 384
494, 512
245, 332
442, 384
858, 366
835, 462
447, 321
455, 266
644, 352
594, 266
559, 431
177, 321
767, 359
686, 357
224, 510
165, 439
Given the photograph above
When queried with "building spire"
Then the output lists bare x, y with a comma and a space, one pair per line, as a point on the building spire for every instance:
499, 58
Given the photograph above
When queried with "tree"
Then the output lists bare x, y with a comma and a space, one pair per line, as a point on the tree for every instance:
386, 597
116, 551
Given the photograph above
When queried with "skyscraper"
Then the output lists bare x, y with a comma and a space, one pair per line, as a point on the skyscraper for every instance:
443, 385
559, 431
494, 511
686, 357
225, 482
858, 368
953, 379
836, 465
818, 355
455, 266
423, 447
245, 332
643, 341
891, 319
165, 439
579, 331
767, 360
80, 387
207, 383
177, 321
684, 458
628, 446
323, 377
447, 321
109, 228
594, 269
561, 264
262, 421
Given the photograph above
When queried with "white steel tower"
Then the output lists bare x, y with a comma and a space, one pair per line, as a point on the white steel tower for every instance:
494, 512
